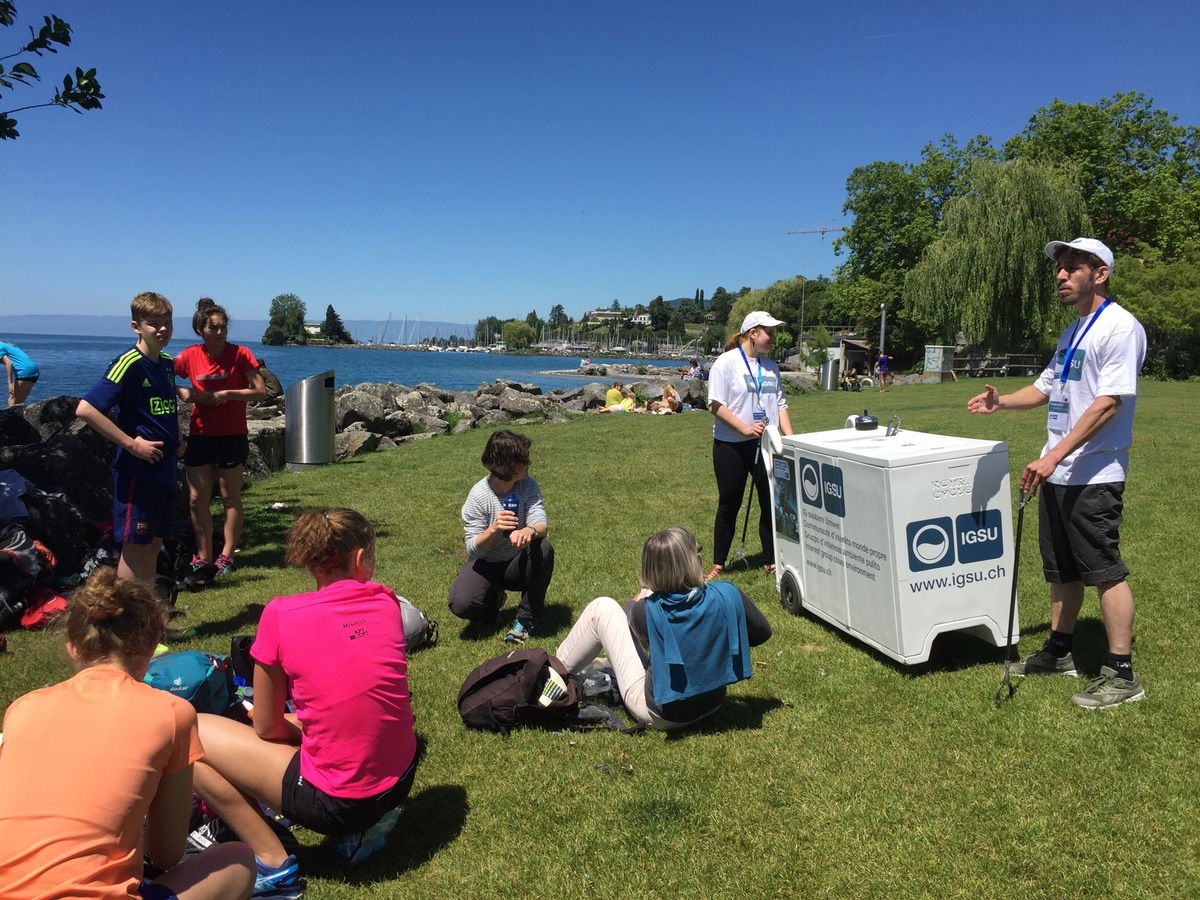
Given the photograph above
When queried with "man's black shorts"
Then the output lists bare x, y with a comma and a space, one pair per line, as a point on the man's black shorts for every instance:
1078, 535
225, 451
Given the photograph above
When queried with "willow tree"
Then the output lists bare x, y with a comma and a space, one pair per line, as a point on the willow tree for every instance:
987, 275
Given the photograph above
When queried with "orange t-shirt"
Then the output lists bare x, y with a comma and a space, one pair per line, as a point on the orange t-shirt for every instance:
79, 764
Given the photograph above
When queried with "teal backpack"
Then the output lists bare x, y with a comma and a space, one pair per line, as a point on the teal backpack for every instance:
204, 680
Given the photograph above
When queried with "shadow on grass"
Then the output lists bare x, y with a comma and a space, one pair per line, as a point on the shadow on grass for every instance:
429, 820
245, 620
555, 617
738, 713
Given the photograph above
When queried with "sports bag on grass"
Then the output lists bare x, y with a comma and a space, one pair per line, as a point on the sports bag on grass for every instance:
204, 680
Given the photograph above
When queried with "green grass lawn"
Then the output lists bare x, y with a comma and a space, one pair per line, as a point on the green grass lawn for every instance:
833, 772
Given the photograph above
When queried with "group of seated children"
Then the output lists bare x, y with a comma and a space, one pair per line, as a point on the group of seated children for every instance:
344, 760
339, 765
673, 648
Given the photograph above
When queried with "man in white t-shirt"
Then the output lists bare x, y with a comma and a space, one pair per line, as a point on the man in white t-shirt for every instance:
1090, 389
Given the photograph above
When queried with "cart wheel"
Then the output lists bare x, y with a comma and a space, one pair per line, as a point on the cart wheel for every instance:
789, 594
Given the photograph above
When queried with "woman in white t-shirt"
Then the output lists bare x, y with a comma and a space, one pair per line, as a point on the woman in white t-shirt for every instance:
745, 395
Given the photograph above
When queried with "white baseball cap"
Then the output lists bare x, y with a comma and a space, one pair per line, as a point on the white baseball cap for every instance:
759, 319
1087, 245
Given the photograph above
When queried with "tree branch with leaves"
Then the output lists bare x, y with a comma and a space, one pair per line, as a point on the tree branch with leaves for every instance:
77, 94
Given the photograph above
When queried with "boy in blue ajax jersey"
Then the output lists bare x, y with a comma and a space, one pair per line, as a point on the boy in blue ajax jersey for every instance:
140, 385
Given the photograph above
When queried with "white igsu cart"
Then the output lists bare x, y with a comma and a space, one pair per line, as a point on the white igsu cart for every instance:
893, 538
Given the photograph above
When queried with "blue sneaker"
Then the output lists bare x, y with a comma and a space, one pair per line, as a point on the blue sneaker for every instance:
354, 848
279, 882
521, 630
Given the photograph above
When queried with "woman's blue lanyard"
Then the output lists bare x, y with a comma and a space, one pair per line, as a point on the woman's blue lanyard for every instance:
758, 389
1074, 343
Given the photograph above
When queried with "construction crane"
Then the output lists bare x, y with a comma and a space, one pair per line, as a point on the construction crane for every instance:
821, 231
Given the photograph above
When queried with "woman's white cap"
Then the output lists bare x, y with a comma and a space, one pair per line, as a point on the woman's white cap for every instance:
759, 319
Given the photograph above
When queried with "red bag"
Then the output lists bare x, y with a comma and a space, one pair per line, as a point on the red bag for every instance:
43, 606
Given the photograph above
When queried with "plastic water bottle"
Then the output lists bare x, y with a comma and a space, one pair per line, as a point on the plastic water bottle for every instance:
597, 683
510, 502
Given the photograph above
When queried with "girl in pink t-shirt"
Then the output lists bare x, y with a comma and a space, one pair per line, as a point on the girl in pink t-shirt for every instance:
96, 768
344, 761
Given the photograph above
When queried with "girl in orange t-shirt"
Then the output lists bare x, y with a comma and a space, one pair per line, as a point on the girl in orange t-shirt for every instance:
73, 815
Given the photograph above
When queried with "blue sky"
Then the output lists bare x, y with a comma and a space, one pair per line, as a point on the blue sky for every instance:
453, 160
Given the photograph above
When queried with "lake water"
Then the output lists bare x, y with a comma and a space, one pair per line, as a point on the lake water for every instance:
71, 364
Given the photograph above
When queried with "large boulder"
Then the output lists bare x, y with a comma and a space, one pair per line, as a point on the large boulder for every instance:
358, 405
15, 429
354, 443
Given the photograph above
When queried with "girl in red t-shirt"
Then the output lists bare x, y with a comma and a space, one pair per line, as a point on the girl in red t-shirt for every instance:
224, 378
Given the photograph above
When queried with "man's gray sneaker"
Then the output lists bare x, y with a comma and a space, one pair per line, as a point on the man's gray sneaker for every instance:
1109, 689
1045, 663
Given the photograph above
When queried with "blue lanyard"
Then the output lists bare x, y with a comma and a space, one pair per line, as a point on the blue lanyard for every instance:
758, 391
1075, 342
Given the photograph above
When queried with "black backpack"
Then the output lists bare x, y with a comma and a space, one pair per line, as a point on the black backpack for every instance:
503, 693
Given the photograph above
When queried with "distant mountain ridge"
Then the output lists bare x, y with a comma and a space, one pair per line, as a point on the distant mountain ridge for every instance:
239, 329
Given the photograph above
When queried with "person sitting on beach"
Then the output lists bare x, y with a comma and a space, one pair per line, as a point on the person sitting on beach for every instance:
345, 760
505, 525
23, 372
98, 769
678, 643
614, 395
693, 372
626, 401
670, 402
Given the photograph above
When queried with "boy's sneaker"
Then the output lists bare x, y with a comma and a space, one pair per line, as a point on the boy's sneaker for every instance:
279, 882
1109, 689
354, 848
201, 575
1045, 663
224, 564
519, 632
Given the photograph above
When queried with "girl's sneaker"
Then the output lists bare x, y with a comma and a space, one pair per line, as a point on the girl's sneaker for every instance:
354, 848
279, 882
225, 564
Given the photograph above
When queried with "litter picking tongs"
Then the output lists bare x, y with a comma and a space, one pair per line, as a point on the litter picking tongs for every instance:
1006, 681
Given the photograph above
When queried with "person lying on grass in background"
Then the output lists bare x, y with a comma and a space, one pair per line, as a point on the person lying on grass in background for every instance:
680, 641
345, 760
95, 768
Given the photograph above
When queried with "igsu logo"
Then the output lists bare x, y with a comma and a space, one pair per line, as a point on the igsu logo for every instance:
930, 544
969, 538
810, 482
821, 486
979, 536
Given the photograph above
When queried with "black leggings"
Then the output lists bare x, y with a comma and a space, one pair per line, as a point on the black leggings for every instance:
732, 462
